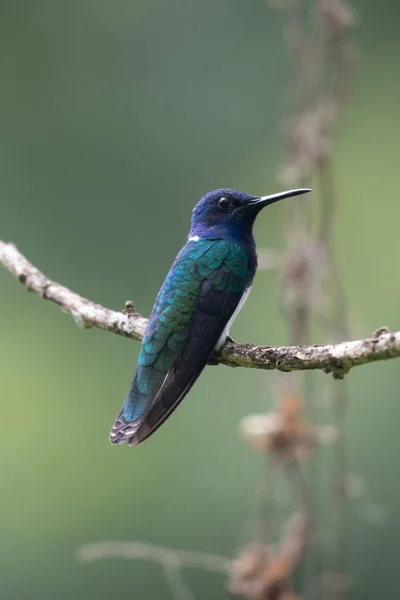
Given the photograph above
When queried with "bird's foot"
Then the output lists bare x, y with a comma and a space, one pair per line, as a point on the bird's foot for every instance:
213, 360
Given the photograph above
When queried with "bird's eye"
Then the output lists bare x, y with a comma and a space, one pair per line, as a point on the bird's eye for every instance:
223, 203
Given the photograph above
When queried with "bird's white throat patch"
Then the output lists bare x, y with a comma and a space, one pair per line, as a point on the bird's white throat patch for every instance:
239, 307
193, 238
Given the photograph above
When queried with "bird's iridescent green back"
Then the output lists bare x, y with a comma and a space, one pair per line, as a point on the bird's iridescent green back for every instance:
221, 263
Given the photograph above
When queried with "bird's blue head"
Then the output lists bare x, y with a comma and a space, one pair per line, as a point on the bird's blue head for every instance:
230, 214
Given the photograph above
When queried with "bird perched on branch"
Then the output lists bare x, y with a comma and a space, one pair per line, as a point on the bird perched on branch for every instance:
204, 291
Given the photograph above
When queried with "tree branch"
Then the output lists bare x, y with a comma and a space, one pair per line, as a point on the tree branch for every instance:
337, 359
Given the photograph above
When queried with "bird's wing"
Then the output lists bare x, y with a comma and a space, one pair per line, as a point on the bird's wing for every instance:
192, 309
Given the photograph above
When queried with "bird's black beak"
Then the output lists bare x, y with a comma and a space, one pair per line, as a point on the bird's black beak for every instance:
259, 203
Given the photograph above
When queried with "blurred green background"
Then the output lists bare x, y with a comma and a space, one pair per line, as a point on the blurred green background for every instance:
115, 118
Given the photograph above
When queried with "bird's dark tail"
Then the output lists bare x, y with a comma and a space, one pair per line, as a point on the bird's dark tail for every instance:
121, 430
139, 399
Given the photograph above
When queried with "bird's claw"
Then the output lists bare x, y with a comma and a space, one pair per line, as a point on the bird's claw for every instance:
213, 360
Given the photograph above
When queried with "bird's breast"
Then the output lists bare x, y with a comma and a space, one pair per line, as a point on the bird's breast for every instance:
239, 307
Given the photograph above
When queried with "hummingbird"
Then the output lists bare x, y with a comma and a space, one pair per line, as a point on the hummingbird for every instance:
202, 294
